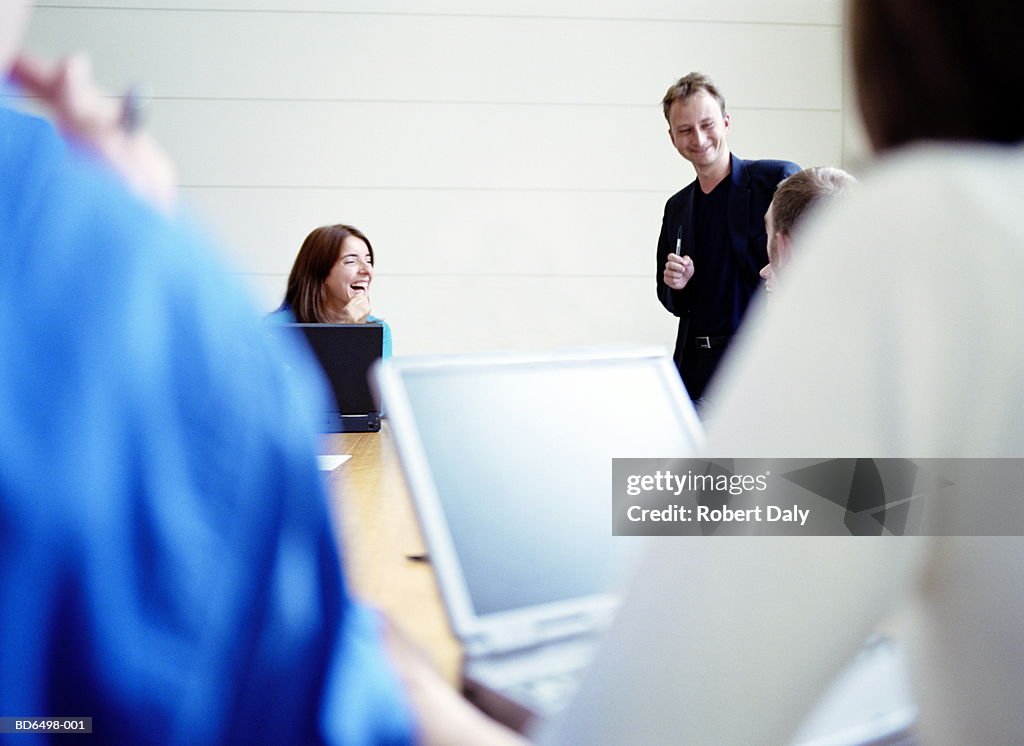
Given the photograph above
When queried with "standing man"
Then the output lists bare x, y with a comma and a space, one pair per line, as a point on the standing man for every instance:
713, 241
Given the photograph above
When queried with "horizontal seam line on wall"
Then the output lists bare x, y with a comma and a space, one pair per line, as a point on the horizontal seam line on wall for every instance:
446, 102
420, 14
464, 102
418, 275
339, 187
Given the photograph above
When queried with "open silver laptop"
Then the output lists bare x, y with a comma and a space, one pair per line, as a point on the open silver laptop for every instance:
508, 460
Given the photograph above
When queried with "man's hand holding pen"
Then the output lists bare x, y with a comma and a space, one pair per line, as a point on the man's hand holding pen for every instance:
678, 271
108, 126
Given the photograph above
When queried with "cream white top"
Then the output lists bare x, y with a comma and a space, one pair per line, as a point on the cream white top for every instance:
898, 332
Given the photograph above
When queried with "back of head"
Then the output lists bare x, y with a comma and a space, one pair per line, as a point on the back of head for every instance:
317, 256
938, 69
796, 194
688, 85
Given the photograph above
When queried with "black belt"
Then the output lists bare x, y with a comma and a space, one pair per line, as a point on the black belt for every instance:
712, 343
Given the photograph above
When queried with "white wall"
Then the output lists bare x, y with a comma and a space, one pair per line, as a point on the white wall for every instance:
509, 160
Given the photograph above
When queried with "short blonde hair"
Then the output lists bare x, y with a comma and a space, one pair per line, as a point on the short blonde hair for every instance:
797, 193
688, 85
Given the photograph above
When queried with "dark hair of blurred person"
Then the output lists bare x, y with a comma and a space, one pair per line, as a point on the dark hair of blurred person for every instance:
938, 70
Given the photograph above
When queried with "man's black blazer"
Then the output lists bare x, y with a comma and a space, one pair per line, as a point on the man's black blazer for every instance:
753, 184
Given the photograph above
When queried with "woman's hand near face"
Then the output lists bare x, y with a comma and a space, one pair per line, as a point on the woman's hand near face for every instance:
356, 310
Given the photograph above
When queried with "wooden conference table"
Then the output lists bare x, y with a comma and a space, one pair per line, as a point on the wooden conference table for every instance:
377, 526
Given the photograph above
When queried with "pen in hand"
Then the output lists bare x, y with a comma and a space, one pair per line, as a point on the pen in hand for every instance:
678, 268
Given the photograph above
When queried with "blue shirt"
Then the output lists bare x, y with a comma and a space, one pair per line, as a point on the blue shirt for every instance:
167, 565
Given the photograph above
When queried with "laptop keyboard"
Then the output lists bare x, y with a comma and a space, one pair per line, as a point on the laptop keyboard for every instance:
544, 677
548, 694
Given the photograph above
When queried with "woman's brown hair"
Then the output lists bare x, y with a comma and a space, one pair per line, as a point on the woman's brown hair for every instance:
938, 69
318, 255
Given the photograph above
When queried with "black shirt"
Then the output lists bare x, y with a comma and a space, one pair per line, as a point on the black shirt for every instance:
716, 277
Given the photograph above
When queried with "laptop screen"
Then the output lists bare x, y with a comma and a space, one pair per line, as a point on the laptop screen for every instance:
520, 455
346, 353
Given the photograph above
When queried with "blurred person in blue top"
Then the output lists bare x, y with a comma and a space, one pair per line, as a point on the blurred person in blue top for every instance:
330, 280
167, 563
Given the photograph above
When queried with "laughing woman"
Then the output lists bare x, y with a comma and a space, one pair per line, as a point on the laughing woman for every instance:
330, 280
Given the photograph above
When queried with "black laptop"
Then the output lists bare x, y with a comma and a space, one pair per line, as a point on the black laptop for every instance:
346, 352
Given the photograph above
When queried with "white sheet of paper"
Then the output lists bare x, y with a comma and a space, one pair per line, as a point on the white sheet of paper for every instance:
330, 463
